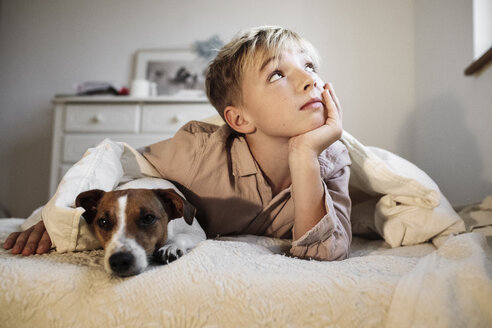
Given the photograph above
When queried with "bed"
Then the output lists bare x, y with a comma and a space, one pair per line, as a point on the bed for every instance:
246, 281
428, 267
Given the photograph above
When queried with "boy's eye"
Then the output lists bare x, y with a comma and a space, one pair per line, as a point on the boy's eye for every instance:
275, 76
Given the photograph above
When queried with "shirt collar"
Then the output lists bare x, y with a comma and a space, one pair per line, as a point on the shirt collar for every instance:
243, 163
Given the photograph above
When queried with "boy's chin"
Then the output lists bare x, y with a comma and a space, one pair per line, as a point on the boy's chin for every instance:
307, 130
316, 123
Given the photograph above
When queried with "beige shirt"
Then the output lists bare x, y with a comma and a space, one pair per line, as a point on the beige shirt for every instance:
217, 173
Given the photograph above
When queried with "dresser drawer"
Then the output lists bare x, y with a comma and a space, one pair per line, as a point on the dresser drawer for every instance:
74, 146
170, 117
102, 118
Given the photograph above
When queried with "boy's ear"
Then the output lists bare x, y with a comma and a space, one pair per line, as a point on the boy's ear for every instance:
237, 120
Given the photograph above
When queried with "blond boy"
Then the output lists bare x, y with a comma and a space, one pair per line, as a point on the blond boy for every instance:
276, 168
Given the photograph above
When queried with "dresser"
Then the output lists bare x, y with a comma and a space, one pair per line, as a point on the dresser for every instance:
83, 122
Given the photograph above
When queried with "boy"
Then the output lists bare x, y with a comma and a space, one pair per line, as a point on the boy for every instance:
276, 168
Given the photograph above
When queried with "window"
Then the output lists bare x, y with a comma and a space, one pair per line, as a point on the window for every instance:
482, 35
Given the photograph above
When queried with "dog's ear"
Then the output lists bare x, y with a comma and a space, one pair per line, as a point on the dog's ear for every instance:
176, 205
89, 201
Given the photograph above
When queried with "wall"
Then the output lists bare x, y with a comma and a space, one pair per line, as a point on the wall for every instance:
47, 46
368, 48
453, 113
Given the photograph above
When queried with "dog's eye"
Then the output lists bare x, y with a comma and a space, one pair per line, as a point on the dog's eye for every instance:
104, 223
146, 220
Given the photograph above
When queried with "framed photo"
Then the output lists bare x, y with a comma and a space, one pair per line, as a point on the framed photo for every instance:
176, 72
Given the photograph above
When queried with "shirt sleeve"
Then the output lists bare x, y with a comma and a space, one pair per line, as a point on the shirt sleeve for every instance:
330, 239
177, 159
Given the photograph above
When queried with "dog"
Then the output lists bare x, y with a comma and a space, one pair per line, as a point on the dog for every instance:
142, 219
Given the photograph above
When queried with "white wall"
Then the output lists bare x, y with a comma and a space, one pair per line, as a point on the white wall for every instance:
453, 113
368, 48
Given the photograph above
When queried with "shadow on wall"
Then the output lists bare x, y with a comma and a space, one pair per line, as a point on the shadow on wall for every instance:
446, 149
28, 168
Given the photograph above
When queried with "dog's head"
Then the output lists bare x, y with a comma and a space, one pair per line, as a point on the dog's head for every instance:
131, 224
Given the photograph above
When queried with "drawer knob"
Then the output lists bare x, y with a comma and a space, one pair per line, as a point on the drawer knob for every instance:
97, 118
178, 118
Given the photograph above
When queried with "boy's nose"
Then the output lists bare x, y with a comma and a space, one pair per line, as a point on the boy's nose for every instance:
307, 80
310, 84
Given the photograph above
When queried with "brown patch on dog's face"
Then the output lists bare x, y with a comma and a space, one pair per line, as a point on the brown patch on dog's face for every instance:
106, 220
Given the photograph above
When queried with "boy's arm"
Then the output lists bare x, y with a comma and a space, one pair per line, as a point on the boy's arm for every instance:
330, 237
312, 203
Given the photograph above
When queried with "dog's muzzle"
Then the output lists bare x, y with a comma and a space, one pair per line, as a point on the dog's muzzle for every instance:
122, 264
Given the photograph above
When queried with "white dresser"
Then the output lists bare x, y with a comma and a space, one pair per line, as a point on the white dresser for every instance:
83, 122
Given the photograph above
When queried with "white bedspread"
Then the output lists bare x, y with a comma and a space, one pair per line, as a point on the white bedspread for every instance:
246, 282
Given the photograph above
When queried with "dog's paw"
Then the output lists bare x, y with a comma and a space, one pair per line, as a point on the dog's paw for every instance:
168, 254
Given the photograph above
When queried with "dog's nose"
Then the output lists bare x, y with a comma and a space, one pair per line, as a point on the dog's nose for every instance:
121, 262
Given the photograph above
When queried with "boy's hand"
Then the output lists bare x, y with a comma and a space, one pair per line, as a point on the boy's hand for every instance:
317, 140
34, 240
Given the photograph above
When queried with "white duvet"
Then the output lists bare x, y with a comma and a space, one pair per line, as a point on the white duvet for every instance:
247, 282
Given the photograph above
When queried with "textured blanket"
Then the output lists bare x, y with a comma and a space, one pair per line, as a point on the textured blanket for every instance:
247, 282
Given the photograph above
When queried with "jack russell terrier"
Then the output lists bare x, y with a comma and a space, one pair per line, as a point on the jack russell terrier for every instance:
141, 219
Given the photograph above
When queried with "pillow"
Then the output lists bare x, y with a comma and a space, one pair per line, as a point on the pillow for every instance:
409, 207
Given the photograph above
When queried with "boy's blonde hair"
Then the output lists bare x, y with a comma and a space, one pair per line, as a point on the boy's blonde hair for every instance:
247, 50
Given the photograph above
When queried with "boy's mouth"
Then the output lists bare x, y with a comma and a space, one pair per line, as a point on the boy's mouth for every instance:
312, 103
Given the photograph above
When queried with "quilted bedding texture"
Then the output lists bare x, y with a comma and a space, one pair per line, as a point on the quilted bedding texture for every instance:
247, 281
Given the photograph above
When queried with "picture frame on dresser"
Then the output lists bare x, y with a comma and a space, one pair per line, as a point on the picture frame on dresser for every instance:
176, 72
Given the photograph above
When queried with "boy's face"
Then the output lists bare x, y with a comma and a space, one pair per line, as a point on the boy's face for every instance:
282, 98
